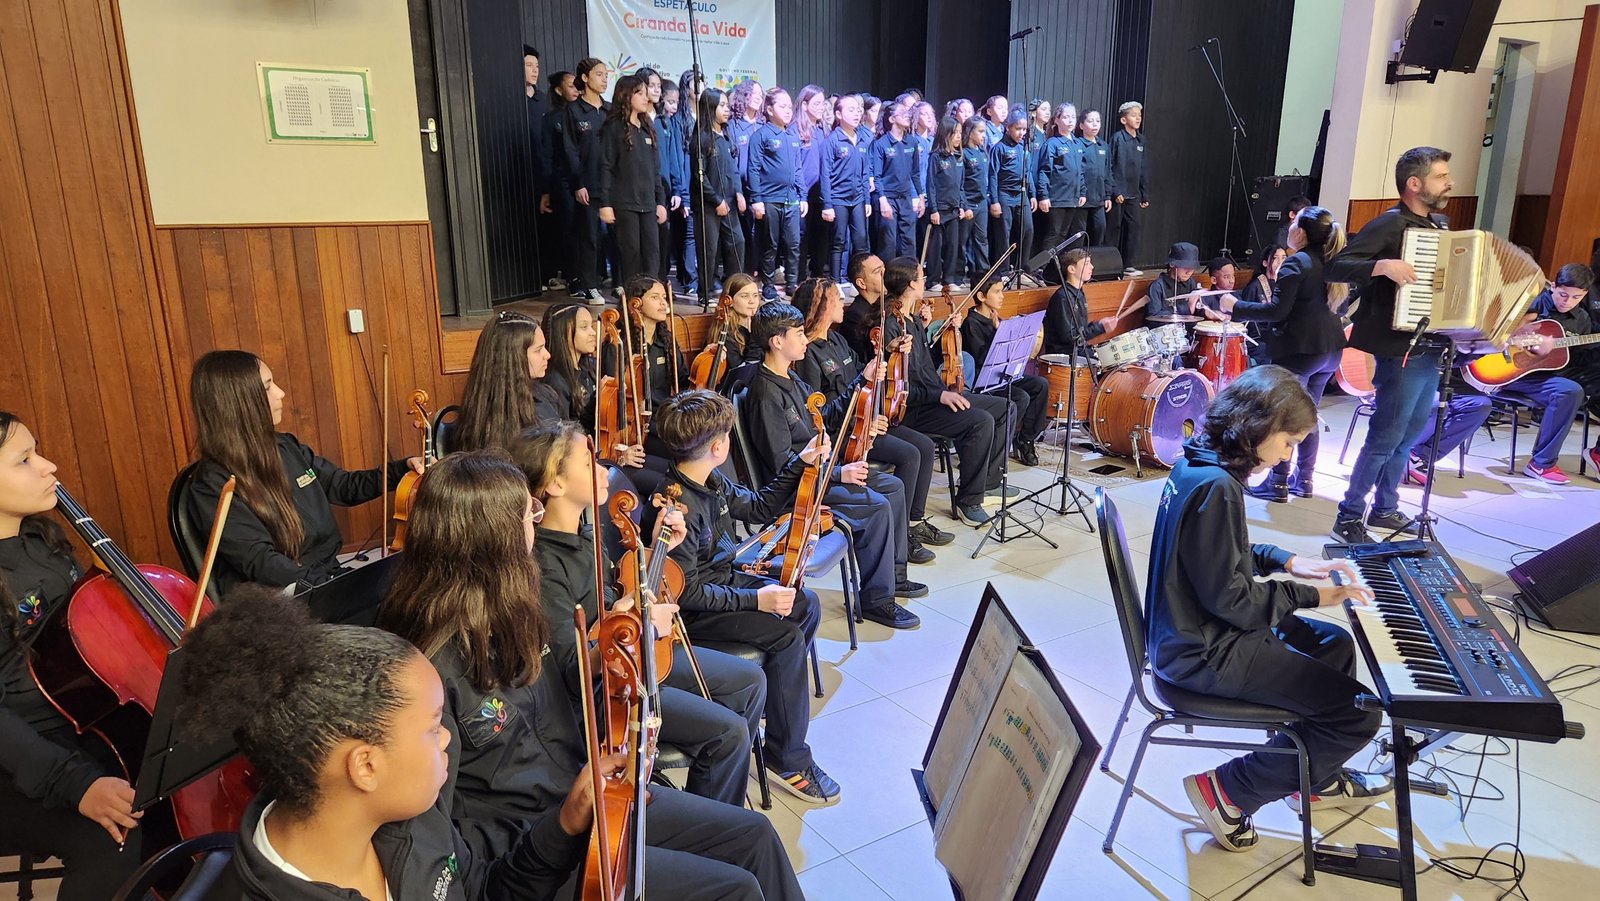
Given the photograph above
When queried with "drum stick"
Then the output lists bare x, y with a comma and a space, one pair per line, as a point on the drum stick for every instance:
1128, 292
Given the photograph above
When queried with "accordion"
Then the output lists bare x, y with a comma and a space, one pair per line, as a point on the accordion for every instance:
1473, 286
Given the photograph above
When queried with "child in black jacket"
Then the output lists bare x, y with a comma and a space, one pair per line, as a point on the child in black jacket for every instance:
1216, 629
721, 605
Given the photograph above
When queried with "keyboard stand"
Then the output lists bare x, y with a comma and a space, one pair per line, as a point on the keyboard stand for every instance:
1396, 867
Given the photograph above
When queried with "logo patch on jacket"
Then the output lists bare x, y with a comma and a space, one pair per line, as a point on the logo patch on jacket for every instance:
305, 478
482, 725
447, 876
30, 608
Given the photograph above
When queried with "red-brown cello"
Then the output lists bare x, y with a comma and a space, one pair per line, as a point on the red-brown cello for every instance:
100, 661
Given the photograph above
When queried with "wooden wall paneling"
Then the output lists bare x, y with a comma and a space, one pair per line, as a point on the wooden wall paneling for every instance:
93, 376
1573, 223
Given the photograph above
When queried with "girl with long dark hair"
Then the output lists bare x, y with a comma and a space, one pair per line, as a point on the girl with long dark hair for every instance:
896, 175
1309, 340
468, 596
280, 530
717, 193
690, 85
633, 196
61, 794
811, 111
975, 194
951, 222
505, 392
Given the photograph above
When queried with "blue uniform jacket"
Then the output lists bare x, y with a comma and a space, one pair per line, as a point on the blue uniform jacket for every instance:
1007, 173
1061, 171
894, 168
946, 172
773, 173
843, 168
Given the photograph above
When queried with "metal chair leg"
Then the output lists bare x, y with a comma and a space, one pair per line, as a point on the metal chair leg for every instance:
1308, 847
761, 770
816, 670
1111, 745
1127, 785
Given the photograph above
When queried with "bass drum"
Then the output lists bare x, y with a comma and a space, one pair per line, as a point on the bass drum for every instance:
1158, 411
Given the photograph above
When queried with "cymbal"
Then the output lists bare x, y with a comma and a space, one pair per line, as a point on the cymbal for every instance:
1173, 317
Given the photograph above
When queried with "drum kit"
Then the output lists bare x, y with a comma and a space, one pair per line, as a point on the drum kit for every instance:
1146, 391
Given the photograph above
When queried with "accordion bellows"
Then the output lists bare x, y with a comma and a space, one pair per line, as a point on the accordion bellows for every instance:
1473, 286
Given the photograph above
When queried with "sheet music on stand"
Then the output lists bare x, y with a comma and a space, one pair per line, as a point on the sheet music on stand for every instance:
1009, 352
1007, 762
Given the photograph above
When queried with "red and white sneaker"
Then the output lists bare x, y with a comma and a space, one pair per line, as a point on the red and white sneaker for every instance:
1229, 825
1594, 461
1551, 474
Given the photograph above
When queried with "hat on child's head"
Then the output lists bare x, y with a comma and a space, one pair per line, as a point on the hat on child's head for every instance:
1131, 104
1183, 255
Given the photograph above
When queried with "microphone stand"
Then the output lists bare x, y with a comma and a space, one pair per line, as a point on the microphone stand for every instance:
1447, 362
1027, 194
1236, 165
1073, 498
704, 254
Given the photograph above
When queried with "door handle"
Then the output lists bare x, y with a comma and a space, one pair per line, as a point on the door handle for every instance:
432, 131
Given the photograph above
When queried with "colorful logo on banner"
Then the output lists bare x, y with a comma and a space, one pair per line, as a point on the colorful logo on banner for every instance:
737, 38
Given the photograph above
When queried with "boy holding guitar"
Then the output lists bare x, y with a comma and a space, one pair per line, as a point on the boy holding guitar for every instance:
1542, 374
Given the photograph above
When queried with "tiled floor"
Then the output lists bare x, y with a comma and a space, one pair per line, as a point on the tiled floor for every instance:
875, 721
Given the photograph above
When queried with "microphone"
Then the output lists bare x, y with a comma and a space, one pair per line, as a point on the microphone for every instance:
1024, 33
1416, 335
1202, 44
1043, 258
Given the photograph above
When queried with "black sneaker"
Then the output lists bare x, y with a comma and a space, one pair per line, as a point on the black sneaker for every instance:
905, 588
1228, 824
973, 515
1393, 521
1349, 531
1026, 453
893, 615
811, 785
1300, 485
1271, 490
927, 533
916, 553
1351, 790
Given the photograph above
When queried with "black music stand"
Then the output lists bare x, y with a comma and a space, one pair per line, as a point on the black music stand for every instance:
1077, 358
168, 764
1008, 355
352, 597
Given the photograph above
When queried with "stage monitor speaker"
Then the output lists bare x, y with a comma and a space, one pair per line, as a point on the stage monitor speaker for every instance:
1269, 204
1107, 262
1562, 585
1449, 34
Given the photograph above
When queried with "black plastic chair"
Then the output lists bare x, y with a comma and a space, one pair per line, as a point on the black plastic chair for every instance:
1174, 706
206, 856
444, 422
188, 536
26, 872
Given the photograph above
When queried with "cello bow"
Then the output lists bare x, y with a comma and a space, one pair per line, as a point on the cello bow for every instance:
224, 504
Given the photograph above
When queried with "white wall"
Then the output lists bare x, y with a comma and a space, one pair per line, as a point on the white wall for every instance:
1308, 83
1373, 123
197, 102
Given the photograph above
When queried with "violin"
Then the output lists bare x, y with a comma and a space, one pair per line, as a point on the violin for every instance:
630, 690
100, 662
618, 420
895, 390
711, 364
806, 519
407, 489
658, 572
951, 371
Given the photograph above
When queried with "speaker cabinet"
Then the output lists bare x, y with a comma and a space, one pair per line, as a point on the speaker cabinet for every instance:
1107, 262
1449, 34
1562, 585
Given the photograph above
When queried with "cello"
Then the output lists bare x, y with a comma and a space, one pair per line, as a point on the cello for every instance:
407, 489
100, 661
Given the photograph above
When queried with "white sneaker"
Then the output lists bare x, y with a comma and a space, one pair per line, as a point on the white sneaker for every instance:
1131, 272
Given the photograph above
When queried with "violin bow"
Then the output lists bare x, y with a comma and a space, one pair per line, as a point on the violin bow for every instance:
824, 472
224, 503
974, 289
383, 470
927, 239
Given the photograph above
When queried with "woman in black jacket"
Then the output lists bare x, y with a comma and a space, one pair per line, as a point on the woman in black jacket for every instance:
343, 725
633, 195
280, 530
58, 794
1309, 339
716, 197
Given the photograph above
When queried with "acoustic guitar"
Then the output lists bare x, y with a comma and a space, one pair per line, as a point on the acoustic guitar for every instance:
1496, 371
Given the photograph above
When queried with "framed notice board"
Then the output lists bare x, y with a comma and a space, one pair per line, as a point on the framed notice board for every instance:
328, 105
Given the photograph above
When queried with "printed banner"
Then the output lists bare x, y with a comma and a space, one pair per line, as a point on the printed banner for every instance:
737, 38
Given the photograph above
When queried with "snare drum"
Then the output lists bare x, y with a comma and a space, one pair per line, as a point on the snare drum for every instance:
1063, 397
1219, 352
1156, 411
1128, 347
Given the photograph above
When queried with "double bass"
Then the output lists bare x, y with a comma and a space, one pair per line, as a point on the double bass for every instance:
100, 661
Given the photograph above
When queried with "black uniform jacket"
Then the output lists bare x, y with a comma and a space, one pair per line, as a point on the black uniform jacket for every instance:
706, 555
1206, 609
1381, 239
